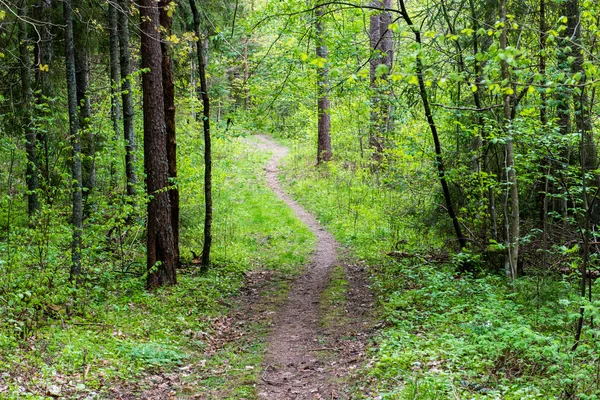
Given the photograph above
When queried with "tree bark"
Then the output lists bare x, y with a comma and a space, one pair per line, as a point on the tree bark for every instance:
127, 98
511, 175
82, 73
77, 199
169, 99
462, 240
32, 168
387, 57
160, 244
205, 260
246, 75
43, 57
115, 108
323, 106
375, 139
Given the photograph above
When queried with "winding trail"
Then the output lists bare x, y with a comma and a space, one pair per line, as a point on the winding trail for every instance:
292, 368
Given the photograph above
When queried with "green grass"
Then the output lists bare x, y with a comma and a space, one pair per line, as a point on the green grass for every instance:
124, 333
447, 336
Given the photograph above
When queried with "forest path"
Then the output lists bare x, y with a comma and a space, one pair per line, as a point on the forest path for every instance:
293, 367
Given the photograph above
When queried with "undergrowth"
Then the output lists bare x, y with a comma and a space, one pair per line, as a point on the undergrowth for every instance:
63, 340
447, 335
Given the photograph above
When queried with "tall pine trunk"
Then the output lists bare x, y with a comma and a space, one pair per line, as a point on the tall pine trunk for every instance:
127, 98
166, 23
387, 56
43, 57
323, 106
32, 168
76, 174
82, 74
207, 144
375, 139
115, 108
513, 219
161, 261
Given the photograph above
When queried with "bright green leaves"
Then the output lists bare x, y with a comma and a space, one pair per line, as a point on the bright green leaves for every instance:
319, 62
381, 70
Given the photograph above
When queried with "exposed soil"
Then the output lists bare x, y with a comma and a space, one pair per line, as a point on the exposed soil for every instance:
304, 360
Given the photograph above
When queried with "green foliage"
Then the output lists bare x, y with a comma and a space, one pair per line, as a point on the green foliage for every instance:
447, 335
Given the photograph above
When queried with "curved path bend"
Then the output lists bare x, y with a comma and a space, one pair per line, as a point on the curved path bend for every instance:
292, 368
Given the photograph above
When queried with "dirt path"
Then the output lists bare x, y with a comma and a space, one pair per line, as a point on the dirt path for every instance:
293, 368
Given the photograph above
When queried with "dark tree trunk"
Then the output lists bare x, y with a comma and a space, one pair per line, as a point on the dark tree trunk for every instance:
43, 57
544, 121
207, 149
583, 120
543, 37
75, 140
323, 112
115, 109
31, 177
82, 73
513, 220
127, 98
462, 240
160, 244
169, 99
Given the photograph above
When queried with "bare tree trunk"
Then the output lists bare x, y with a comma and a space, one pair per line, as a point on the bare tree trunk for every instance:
127, 98
246, 75
115, 109
544, 122
511, 176
82, 73
169, 99
205, 261
77, 200
160, 244
323, 112
583, 120
386, 39
43, 57
32, 169
375, 139
462, 240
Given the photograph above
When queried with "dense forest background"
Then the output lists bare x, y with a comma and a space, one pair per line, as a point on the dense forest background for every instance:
449, 146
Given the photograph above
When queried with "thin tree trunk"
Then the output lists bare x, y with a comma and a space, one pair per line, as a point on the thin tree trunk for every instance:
205, 261
160, 244
544, 123
511, 176
375, 139
115, 109
323, 106
31, 177
386, 39
462, 240
77, 200
82, 73
246, 75
43, 57
166, 23
127, 99
583, 120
